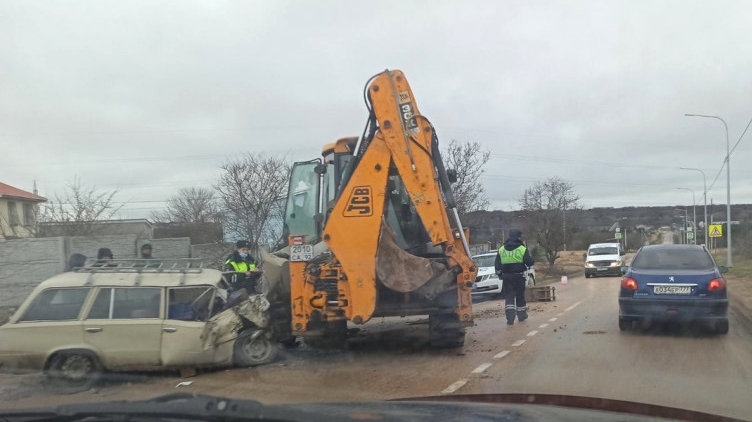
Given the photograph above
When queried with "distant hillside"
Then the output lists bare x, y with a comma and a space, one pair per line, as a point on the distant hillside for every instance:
493, 225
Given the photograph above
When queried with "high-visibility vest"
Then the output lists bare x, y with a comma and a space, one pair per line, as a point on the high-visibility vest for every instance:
241, 267
515, 256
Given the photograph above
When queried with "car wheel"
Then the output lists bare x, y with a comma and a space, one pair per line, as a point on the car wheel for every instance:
253, 348
445, 331
327, 335
588, 275
73, 371
624, 324
722, 327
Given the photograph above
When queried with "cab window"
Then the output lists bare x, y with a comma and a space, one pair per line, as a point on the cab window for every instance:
56, 305
127, 302
189, 303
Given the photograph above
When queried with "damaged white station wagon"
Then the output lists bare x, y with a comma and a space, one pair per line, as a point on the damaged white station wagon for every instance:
122, 316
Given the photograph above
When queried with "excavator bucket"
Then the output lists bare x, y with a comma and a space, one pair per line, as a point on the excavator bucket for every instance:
399, 270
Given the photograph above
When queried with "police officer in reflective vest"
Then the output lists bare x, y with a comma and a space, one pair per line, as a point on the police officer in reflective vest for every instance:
242, 263
511, 264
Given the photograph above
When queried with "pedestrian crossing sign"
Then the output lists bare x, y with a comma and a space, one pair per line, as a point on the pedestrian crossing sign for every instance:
715, 230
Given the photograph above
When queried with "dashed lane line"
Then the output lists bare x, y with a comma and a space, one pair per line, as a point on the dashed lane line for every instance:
573, 306
455, 386
501, 354
482, 367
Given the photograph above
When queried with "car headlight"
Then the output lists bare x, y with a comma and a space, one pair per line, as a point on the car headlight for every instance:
616, 264
589, 265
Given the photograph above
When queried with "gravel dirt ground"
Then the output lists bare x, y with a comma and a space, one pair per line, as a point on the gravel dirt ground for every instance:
569, 346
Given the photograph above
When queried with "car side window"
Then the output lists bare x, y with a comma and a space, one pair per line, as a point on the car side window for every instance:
126, 303
189, 303
56, 305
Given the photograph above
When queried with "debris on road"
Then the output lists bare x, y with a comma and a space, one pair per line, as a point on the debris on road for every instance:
184, 384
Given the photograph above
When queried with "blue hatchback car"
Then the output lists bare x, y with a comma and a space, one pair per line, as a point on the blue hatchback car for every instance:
674, 283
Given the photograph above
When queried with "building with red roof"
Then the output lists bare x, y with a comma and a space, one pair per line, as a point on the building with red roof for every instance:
18, 212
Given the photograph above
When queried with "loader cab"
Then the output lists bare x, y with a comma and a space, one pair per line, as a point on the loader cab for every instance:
303, 197
315, 186
313, 190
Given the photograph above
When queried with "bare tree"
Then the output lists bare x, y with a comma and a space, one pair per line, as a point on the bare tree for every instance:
468, 159
546, 206
77, 210
252, 190
190, 205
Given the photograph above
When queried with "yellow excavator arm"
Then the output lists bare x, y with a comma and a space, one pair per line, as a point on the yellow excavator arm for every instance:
373, 273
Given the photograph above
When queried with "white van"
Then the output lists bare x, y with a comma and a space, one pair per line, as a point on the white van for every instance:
604, 259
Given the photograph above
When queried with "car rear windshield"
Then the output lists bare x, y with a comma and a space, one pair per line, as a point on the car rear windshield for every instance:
608, 250
484, 261
673, 259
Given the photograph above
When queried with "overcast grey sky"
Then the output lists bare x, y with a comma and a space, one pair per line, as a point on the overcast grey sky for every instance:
147, 97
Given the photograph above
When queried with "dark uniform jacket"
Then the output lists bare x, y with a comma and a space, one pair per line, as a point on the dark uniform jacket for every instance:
513, 268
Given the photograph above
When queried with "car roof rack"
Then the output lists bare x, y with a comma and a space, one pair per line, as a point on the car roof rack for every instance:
142, 266
178, 265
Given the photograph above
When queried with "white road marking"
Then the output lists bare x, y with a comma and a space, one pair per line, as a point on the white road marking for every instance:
518, 343
455, 386
532, 333
553, 319
501, 354
573, 306
482, 367
543, 326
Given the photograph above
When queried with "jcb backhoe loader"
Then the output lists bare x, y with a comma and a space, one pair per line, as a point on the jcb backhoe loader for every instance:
373, 228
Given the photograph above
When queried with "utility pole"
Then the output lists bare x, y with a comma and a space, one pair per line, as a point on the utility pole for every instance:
564, 220
728, 187
705, 201
707, 229
694, 214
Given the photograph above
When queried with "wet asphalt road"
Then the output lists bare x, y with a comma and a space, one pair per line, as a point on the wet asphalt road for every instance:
570, 346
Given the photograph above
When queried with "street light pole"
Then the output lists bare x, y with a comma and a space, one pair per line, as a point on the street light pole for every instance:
704, 199
694, 215
728, 187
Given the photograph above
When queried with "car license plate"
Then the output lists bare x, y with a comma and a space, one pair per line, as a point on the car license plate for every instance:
301, 253
672, 290
602, 269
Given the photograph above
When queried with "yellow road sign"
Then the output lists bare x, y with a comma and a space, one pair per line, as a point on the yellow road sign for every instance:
715, 230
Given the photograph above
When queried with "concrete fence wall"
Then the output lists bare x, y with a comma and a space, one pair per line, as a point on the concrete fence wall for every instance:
122, 246
213, 254
24, 263
168, 248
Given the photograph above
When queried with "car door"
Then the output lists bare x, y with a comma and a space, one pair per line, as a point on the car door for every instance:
185, 330
124, 326
50, 322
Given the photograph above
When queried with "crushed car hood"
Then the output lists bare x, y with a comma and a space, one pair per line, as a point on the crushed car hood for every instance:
226, 325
